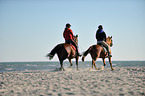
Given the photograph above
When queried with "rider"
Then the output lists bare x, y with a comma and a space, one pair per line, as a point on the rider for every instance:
69, 37
101, 38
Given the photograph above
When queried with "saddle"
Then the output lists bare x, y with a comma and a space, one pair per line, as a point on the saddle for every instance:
73, 46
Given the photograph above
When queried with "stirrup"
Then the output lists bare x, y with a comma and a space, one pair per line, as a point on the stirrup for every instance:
109, 55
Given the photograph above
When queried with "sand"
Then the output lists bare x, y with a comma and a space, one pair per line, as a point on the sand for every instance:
123, 81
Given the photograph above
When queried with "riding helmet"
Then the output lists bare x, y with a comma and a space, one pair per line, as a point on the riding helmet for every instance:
100, 27
68, 25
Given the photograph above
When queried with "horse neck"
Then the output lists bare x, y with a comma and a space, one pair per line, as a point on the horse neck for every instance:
108, 41
75, 39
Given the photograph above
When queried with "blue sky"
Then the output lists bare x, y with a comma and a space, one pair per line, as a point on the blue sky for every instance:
29, 29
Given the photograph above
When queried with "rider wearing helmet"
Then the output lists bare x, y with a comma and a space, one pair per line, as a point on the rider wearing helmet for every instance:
101, 38
69, 37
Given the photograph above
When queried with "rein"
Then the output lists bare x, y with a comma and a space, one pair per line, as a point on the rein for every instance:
108, 43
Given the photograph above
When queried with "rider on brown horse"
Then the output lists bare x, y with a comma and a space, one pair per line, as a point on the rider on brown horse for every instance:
101, 39
69, 37
66, 50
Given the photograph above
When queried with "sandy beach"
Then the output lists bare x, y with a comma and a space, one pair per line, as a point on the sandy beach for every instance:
123, 81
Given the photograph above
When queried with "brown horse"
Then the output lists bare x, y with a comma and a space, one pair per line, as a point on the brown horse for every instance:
97, 51
65, 51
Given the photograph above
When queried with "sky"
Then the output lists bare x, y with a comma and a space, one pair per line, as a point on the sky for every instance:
30, 29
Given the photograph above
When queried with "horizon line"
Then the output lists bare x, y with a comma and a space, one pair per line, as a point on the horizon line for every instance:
66, 61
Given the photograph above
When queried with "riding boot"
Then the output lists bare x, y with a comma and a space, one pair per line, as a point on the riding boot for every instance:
109, 55
78, 54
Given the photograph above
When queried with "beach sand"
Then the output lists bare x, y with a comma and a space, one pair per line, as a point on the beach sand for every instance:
123, 81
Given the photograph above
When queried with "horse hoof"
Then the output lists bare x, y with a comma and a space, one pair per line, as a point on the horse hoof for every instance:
113, 69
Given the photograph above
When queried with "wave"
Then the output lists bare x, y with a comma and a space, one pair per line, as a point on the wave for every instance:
31, 65
9, 69
52, 65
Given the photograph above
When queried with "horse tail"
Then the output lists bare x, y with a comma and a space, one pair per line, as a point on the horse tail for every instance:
54, 51
86, 53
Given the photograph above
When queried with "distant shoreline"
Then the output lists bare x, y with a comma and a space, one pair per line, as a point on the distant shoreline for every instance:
74, 61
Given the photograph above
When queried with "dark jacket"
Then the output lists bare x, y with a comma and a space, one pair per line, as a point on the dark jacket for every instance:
100, 35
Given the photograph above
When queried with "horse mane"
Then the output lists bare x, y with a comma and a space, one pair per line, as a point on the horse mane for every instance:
76, 39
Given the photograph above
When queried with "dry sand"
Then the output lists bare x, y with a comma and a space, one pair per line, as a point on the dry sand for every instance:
123, 81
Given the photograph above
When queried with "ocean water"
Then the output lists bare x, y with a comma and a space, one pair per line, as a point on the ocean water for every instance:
25, 66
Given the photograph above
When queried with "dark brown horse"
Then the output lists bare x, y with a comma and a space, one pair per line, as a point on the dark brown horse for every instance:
96, 51
64, 51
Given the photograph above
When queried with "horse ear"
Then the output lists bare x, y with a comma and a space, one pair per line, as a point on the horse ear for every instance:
111, 36
76, 35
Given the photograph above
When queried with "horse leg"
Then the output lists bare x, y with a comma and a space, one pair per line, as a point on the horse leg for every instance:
94, 64
70, 63
104, 62
110, 63
77, 58
61, 63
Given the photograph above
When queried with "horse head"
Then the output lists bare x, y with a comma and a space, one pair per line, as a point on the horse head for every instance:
76, 39
109, 41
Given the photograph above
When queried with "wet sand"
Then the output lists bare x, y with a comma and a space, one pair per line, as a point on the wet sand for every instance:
123, 81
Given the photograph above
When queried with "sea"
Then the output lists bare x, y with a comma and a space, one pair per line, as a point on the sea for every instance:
26, 66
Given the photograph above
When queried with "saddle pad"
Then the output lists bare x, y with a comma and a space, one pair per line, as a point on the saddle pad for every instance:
73, 47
